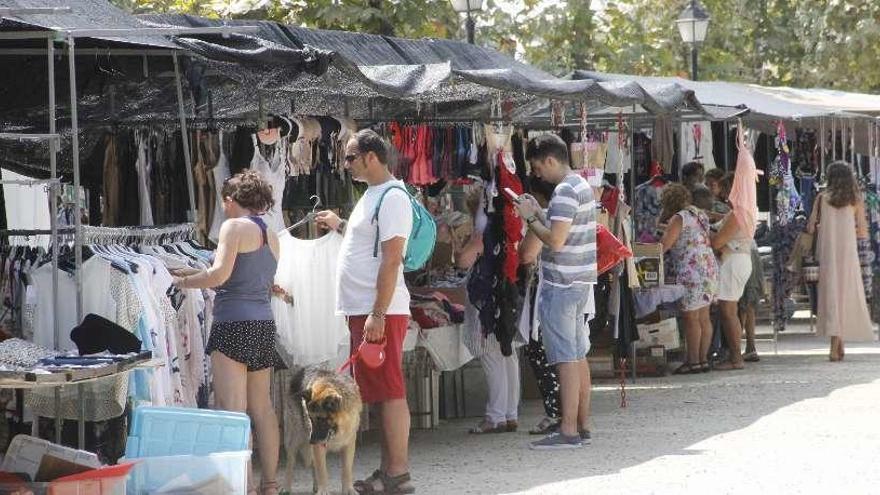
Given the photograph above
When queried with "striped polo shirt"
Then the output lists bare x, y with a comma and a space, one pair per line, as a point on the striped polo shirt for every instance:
576, 262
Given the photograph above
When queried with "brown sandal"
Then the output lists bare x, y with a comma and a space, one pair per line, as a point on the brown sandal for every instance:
388, 485
368, 485
398, 485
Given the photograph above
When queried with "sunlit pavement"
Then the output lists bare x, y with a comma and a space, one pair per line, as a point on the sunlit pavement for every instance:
793, 423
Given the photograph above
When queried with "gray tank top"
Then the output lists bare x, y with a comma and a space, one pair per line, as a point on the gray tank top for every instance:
245, 296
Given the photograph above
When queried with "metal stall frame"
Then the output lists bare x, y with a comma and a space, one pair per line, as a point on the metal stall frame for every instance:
69, 37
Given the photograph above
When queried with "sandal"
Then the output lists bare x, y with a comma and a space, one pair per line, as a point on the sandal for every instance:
368, 485
546, 426
388, 485
487, 426
398, 485
687, 369
511, 426
704, 367
751, 357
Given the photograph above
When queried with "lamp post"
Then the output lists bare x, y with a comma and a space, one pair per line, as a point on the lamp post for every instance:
467, 7
693, 24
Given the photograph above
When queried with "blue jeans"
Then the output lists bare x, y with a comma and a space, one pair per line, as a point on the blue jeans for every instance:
563, 325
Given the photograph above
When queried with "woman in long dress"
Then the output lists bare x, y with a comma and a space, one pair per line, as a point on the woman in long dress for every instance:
838, 219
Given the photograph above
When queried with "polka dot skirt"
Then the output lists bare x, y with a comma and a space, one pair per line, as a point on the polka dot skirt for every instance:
251, 343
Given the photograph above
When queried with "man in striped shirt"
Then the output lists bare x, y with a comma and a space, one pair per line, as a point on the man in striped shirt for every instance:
569, 269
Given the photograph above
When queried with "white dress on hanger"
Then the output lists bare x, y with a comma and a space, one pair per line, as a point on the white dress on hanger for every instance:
274, 173
309, 329
144, 167
221, 173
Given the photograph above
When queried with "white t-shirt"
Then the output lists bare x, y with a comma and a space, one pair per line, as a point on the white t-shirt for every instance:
358, 269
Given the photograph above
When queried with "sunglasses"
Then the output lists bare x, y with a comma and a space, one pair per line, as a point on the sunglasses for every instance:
352, 158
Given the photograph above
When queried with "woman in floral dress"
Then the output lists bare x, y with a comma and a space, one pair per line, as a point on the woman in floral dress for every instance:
691, 260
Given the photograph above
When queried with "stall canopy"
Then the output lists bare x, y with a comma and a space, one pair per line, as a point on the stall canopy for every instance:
83, 14
427, 70
764, 102
274, 68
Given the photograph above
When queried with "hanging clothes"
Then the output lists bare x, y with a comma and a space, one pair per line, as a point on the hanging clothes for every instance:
144, 167
221, 173
273, 171
662, 144
743, 196
305, 314
696, 144
619, 156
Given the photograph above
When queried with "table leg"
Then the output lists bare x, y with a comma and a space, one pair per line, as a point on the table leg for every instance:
57, 415
81, 424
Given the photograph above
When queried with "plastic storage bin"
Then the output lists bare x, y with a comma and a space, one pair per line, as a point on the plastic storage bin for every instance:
170, 431
25, 453
223, 473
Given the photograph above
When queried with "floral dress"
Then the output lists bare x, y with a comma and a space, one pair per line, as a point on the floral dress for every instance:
692, 261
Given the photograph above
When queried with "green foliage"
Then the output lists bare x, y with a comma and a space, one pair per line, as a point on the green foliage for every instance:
807, 43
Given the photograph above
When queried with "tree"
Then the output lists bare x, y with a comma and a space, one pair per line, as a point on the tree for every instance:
827, 43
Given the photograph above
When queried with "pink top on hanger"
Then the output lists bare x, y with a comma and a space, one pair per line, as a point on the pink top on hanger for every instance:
743, 195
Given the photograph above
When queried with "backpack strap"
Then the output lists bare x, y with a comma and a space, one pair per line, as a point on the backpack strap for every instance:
376, 215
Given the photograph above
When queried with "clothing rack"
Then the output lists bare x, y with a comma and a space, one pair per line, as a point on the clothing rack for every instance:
141, 234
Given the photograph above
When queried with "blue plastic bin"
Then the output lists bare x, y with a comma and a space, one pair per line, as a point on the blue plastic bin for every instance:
172, 431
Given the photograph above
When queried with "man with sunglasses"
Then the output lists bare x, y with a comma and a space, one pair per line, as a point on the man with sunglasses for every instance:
372, 294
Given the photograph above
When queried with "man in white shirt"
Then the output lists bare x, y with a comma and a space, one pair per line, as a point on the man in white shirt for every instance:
372, 295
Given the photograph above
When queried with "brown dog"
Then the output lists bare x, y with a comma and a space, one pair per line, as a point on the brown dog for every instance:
322, 412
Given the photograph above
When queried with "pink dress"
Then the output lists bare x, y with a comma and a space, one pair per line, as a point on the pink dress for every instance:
843, 311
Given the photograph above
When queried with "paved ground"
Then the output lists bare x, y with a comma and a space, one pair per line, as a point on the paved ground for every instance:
793, 423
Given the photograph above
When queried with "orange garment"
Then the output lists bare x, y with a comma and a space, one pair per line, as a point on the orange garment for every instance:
743, 194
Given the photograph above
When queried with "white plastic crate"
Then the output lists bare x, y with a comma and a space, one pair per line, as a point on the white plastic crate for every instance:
25, 453
223, 473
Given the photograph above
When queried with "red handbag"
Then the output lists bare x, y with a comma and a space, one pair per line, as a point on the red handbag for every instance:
610, 250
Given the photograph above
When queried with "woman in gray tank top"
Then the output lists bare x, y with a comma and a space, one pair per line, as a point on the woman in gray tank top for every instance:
242, 340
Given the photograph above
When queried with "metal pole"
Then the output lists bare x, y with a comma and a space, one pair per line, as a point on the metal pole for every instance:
74, 130
726, 150
58, 424
81, 415
822, 138
694, 72
53, 191
471, 26
184, 135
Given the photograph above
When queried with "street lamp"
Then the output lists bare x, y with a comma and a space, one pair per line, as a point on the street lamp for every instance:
693, 23
466, 7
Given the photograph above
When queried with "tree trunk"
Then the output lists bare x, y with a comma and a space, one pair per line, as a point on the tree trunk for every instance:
383, 25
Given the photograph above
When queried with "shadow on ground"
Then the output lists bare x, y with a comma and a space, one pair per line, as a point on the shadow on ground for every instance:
664, 417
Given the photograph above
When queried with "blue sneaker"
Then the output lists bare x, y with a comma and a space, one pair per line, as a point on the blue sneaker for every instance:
557, 441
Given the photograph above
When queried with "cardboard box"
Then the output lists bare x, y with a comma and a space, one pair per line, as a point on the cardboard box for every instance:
648, 259
663, 334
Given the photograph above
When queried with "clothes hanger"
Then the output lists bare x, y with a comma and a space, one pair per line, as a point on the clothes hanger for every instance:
316, 202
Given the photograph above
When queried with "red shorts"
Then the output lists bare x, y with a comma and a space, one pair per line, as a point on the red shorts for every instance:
385, 382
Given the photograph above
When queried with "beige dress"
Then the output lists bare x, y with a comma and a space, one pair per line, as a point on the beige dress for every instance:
843, 311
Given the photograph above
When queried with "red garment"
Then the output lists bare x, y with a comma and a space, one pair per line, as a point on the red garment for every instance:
422, 173
513, 226
385, 382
